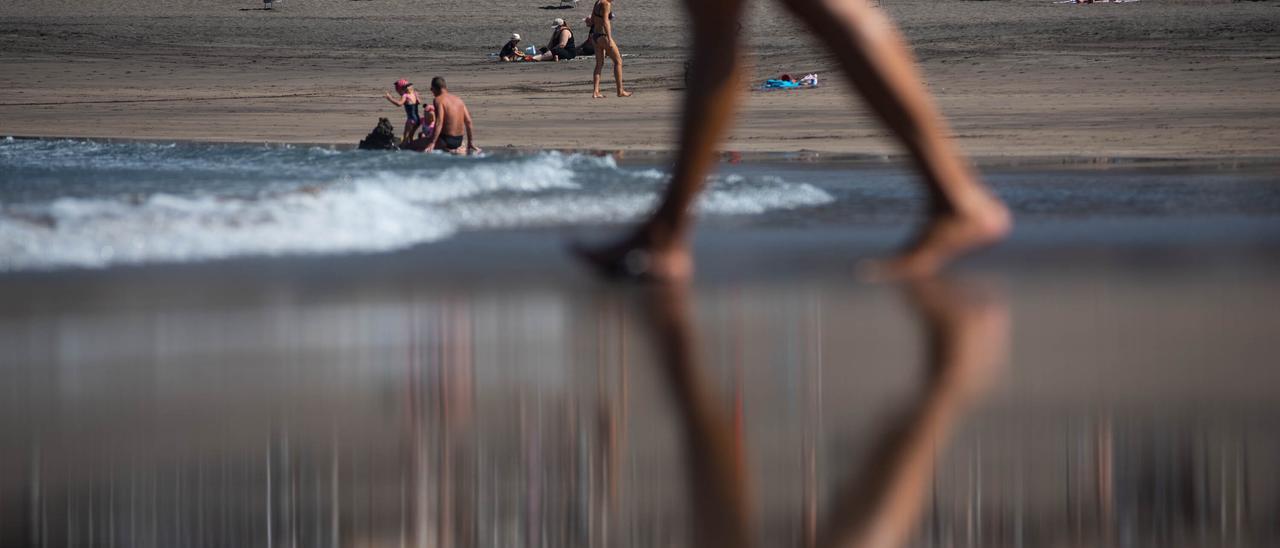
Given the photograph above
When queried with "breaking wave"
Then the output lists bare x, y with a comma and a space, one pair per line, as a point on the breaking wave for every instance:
135, 203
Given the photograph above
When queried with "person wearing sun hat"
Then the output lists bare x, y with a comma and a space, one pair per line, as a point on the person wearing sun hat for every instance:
561, 46
511, 50
410, 101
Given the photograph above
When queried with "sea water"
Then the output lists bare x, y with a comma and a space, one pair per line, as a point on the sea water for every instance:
84, 204
1138, 406
91, 204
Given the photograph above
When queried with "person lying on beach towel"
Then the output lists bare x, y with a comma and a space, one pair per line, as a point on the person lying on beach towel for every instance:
787, 82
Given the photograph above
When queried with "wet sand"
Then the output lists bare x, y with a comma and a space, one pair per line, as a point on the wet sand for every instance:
1018, 78
484, 390
342, 402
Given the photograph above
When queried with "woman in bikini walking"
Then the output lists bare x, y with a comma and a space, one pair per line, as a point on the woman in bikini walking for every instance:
602, 38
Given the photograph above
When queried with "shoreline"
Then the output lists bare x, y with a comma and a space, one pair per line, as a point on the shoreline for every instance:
851, 159
726, 256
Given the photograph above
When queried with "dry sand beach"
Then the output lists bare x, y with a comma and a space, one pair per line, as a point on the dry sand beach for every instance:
1016, 78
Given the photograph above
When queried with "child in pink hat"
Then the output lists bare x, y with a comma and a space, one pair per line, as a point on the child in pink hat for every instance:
409, 100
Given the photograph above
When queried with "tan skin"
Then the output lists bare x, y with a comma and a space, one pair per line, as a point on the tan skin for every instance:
605, 45
559, 40
452, 118
409, 128
963, 215
967, 345
880, 505
718, 486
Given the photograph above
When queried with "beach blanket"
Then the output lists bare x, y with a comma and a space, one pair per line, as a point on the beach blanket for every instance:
780, 84
810, 81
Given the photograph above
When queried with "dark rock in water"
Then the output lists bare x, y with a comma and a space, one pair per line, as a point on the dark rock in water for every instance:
383, 137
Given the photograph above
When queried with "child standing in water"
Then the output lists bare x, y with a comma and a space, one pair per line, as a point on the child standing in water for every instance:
409, 100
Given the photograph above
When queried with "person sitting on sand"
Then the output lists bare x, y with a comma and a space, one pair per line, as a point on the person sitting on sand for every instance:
587, 48
409, 100
452, 121
560, 46
602, 39
511, 50
963, 214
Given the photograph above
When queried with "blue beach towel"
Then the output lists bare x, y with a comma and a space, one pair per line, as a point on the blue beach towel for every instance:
810, 81
780, 84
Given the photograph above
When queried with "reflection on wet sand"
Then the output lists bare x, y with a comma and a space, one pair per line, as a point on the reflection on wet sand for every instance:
771, 414
967, 340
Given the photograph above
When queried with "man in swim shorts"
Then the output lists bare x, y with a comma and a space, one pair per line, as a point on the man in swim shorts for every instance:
452, 121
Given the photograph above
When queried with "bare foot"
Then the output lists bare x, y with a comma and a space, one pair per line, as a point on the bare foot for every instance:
624, 93
968, 329
946, 237
637, 259
597, 95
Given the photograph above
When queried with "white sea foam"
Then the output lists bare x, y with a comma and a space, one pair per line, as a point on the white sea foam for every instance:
733, 195
330, 203
167, 228
466, 179
738, 195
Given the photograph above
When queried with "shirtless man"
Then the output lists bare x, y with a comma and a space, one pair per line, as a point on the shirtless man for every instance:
963, 215
452, 120
602, 38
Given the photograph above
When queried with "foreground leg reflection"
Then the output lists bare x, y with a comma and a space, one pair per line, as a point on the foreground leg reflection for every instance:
717, 467
967, 343
967, 337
